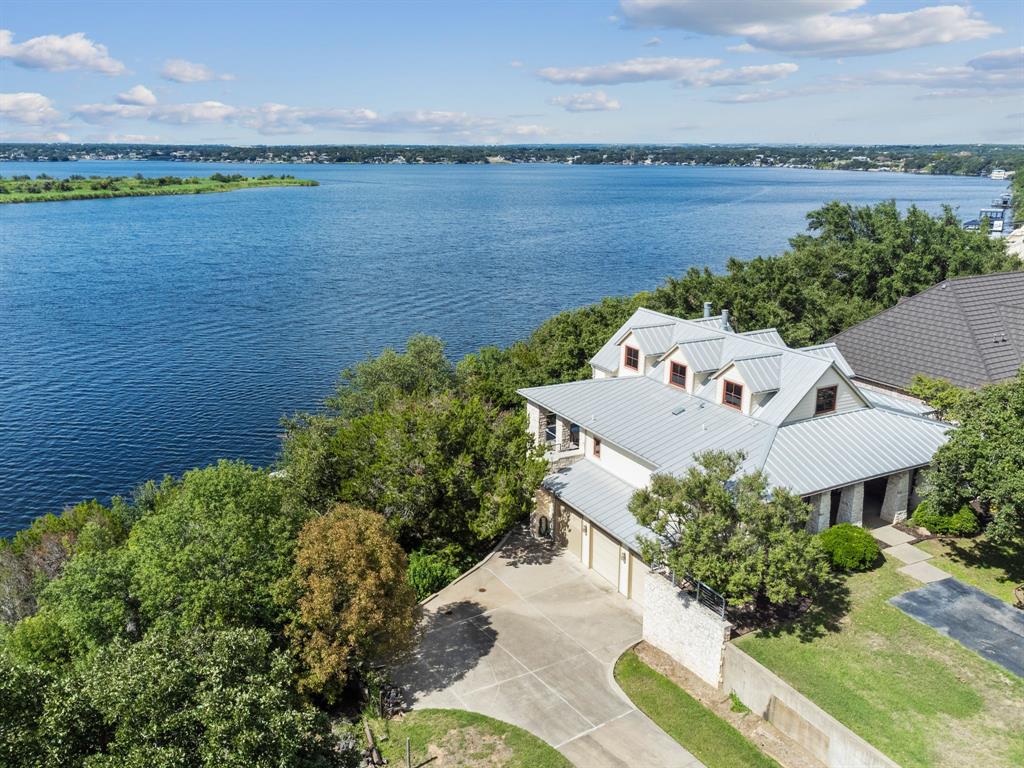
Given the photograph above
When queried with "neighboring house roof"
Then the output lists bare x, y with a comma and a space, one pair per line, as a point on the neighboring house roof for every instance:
968, 330
600, 495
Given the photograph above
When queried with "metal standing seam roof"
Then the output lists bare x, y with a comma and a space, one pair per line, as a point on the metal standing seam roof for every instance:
654, 339
829, 351
704, 354
607, 358
965, 330
768, 336
761, 373
832, 451
599, 495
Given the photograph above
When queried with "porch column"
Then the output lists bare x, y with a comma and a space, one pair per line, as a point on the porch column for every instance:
897, 493
821, 507
851, 505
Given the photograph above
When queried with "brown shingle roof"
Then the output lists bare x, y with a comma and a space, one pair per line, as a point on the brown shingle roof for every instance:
968, 330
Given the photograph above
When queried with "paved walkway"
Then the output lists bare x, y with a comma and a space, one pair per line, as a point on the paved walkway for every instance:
897, 544
530, 638
983, 623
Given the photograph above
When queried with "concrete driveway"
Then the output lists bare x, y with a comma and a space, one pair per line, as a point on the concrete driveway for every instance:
530, 637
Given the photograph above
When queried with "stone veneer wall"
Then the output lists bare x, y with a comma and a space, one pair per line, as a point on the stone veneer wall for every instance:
795, 715
688, 632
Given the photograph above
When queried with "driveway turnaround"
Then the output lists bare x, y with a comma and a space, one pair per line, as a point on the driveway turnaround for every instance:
530, 637
983, 623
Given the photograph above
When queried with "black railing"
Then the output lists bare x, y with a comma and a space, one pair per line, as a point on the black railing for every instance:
704, 594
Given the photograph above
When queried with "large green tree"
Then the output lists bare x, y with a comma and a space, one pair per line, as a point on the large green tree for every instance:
984, 458
730, 531
353, 603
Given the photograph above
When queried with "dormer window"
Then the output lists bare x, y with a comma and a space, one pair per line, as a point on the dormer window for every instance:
633, 358
550, 428
677, 375
596, 449
732, 394
825, 402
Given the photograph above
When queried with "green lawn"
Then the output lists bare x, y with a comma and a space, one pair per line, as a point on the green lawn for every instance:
24, 190
456, 738
712, 740
994, 568
921, 698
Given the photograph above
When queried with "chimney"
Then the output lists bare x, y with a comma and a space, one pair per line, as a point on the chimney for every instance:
707, 309
725, 317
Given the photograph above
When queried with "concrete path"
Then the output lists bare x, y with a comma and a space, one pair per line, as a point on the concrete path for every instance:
983, 623
898, 545
530, 638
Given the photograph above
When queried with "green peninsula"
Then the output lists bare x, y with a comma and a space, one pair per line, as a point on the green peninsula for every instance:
43, 188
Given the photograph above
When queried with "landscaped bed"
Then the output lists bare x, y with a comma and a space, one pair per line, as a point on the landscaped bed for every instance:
921, 698
982, 563
711, 740
451, 738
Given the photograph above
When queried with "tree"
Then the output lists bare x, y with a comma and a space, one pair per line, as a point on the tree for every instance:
374, 383
212, 549
353, 602
202, 699
730, 532
983, 459
942, 395
22, 689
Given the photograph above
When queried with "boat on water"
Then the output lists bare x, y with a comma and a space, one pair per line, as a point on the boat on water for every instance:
998, 174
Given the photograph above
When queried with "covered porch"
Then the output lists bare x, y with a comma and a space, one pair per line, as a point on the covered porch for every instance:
870, 503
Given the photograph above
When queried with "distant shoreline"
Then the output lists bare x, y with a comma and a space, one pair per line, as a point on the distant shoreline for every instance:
43, 189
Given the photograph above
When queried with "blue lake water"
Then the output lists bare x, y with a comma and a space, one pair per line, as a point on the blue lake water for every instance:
146, 336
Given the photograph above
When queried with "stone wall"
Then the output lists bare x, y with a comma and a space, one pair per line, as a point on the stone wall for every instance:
795, 715
677, 624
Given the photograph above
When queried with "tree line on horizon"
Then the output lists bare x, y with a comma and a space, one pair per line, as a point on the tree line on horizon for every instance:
236, 615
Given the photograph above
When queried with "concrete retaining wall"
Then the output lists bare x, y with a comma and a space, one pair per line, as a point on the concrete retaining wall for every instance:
792, 713
678, 625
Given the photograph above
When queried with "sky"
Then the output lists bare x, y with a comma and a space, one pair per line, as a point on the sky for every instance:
591, 71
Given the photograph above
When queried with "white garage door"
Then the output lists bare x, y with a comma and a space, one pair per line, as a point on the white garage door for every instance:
574, 534
606, 556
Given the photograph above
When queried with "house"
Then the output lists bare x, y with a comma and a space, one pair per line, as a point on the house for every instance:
665, 389
967, 330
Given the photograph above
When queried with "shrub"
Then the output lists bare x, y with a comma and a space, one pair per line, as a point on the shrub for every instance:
963, 522
849, 548
432, 571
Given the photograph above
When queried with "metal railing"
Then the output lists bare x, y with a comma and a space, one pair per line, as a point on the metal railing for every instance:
704, 594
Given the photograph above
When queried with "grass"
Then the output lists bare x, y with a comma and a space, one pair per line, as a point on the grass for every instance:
711, 740
23, 189
921, 698
982, 563
454, 737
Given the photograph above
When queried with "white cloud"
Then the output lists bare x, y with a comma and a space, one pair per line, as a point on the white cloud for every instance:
1008, 58
138, 94
526, 131
174, 114
777, 94
515, 64
182, 71
741, 48
122, 138
57, 54
591, 101
272, 119
28, 108
652, 42
56, 137
685, 72
813, 27
992, 74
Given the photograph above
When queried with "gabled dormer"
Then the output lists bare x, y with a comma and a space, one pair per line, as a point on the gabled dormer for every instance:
747, 383
832, 392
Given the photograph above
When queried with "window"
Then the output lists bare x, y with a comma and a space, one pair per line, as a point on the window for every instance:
549, 428
574, 435
677, 375
633, 358
732, 394
825, 402
597, 448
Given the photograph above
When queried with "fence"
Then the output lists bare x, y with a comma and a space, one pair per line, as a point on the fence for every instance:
705, 595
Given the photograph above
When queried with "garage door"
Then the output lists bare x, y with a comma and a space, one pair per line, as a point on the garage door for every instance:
574, 534
636, 579
606, 556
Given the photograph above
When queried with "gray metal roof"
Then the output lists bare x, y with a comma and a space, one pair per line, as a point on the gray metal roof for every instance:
767, 335
600, 496
830, 351
644, 418
968, 330
832, 451
761, 373
704, 354
894, 402
654, 339
607, 358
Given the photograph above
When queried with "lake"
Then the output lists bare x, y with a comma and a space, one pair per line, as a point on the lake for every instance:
145, 336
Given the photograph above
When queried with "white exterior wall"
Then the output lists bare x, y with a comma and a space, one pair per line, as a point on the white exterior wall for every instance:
630, 341
620, 464
731, 374
600, 374
666, 364
847, 398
